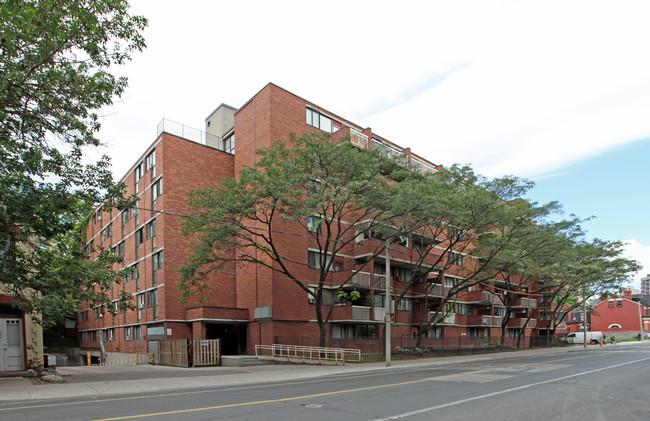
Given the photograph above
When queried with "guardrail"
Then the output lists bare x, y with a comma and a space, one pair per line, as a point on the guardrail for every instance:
309, 353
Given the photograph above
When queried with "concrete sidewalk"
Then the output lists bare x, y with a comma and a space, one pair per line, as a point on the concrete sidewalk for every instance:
115, 380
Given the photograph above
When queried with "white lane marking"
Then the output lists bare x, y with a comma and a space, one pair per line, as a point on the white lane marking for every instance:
501, 392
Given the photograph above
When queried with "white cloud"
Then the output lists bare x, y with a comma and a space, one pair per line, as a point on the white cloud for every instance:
641, 253
511, 87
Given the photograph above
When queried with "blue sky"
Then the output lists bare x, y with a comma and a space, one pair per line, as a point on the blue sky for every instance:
614, 187
555, 91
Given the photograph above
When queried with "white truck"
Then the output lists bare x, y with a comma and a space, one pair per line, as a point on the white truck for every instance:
579, 338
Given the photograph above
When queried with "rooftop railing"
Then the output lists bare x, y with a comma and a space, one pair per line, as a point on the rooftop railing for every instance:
189, 133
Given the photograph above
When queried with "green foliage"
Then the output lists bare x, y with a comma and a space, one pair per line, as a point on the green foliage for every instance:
54, 56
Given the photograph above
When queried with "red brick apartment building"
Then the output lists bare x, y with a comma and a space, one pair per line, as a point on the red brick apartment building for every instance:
253, 307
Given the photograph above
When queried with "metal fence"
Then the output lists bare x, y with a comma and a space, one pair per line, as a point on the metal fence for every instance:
309, 353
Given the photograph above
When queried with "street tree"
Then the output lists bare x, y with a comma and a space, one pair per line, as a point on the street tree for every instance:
333, 190
55, 57
465, 222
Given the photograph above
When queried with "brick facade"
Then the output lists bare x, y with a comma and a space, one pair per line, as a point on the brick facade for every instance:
229, 312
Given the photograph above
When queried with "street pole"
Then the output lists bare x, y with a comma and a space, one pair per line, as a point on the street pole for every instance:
640, 320
387, 304
584, 319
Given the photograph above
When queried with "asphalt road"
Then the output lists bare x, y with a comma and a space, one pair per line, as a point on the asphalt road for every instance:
609, 383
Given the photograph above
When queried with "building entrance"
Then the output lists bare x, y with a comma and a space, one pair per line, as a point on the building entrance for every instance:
12, 347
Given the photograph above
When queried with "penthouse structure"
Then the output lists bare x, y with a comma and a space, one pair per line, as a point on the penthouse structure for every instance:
260, 307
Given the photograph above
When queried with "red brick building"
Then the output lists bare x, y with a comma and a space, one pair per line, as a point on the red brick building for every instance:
620, 314
257, 306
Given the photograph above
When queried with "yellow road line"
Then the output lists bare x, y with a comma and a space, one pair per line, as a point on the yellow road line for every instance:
337, 392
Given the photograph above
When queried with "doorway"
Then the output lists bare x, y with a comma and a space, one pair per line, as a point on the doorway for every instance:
233, 337
12, 347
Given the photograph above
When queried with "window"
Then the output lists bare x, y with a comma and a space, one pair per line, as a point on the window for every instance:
135, 211
342, 331
152, 298
454, 234
477, 332
156, 189
127, 333
136, 275
94, 219
405, 304
150, 161
435, 332
157, 263
139, 237
449, 282
109, 230
313, 224
313, 187
314, 259
318, 120
109, 334
619, 303
229, 144
137, 334
151, 229
610, 303
103, 235
140, 300
157, 260
121, 250
455, 258
138, 173
463, 309
367, 331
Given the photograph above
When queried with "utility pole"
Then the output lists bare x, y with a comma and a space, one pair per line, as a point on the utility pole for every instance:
388, 304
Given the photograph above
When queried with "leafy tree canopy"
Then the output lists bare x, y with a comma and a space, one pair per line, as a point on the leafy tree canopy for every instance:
54, 62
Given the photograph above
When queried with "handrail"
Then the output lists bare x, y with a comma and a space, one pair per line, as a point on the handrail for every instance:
311, 353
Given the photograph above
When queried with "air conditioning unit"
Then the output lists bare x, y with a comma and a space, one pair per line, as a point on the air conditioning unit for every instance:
401, 279
141, 305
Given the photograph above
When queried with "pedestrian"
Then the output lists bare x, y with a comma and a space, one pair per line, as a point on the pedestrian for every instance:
638, 337
613, 339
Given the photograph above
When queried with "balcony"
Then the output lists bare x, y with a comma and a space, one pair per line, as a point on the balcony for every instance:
447, 319
380, 281
416, 164
519, 322
484, 320
351, 313
524, 302
361, 279
358, 138
479, 297
390, 152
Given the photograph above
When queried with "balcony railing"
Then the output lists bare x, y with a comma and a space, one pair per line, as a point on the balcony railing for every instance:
524, 302
421, 166
519, 322
361, 279
358, 138
380, 281
350, 312
189, 133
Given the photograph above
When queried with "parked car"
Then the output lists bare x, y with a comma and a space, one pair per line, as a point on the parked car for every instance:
579, 337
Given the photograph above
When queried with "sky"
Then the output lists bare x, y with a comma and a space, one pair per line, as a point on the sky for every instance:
557, 92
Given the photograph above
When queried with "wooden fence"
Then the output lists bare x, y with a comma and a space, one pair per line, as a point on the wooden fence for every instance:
176, 352
206, 352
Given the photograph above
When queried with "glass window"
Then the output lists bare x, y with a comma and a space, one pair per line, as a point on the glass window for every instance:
342, 331
325, 124
151, 229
